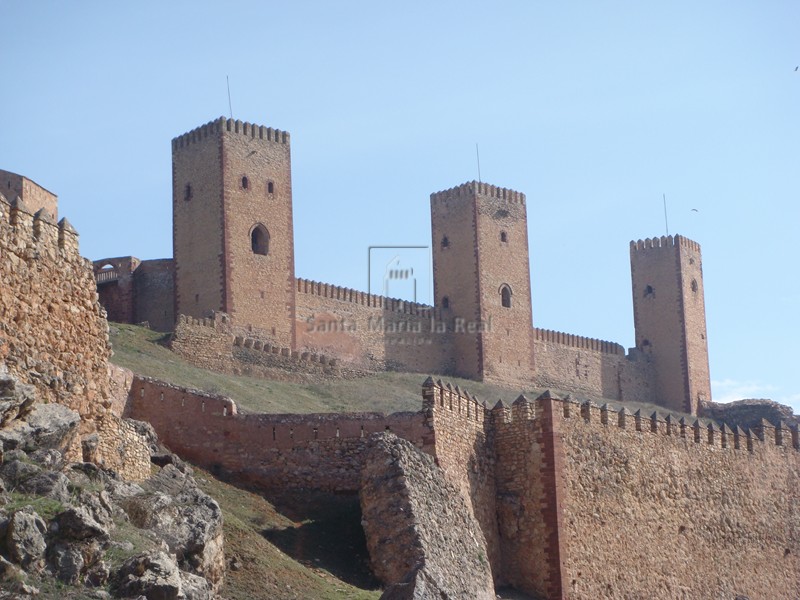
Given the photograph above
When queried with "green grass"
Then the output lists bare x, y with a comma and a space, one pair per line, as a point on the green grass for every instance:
266, 571
45, 507
144, 352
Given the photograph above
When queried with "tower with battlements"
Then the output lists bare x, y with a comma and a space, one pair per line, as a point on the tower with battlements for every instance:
670, 319
482, 279
232, 226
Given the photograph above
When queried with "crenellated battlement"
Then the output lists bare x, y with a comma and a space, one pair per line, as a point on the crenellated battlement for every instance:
267, 348
696, 431
665, 241
37, 230
578, 341
231, 126
440, 397
478, 188
335, 292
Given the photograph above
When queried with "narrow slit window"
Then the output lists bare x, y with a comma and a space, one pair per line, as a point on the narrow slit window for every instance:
270, 188
245, 183
505, 296
503, 236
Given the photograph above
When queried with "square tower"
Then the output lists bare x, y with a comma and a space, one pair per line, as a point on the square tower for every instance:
481, 276
232, 226
670, 319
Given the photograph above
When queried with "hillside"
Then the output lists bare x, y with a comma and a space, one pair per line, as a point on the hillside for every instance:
144, 352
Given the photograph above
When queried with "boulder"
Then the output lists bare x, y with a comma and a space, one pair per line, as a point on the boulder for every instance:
194, 587
48, 483
422, 537
67, 560
45, 426
154, 575
78, 523
25, 537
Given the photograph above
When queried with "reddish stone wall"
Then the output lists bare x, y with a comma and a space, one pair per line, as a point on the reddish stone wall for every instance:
593, 367
658, 510
669, 316
33, 195
464, 451
53, 336
116, 287
197, 222
372, 332
317, 451
154, 296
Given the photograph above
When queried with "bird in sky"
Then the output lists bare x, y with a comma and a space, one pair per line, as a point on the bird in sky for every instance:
695, 210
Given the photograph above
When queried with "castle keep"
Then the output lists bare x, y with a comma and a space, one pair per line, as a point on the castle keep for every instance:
234, 254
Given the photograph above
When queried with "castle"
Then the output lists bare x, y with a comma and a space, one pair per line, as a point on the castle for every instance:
234, 253
573, 499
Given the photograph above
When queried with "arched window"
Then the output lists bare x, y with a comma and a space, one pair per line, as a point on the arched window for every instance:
270, 187
503, 236
245, 183
505, 296
649, 292
445, 242
694, 285
445, 302
259, 240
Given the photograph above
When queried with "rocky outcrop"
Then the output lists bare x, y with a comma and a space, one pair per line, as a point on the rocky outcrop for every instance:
87, 527
422, 538
748, 414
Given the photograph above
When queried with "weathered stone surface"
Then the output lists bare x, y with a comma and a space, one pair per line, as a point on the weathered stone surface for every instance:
45, 426
25, 537
78, 523
49, 483
748, 413
16, 398
419, 530
189, 521
67, 562
153, 575
194, 587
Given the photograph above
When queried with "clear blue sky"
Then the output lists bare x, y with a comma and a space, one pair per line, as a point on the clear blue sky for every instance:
593, 109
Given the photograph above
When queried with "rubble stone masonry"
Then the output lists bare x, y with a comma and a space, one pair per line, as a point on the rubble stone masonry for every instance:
53, 334
574, 500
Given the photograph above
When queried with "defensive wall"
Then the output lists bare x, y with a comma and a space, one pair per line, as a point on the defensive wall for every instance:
137, 291
53, 334
575, 500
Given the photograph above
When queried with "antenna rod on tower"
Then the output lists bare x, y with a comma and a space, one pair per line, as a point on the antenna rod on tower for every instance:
478, 155
230, 106
666, 223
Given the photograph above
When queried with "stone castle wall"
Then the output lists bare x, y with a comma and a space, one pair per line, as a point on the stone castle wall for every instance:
574, 500
54, 336
313, 451
592, 367
372, 332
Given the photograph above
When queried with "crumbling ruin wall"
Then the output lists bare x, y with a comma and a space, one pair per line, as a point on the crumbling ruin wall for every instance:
282, 451
464, 450
53, 334
422, 537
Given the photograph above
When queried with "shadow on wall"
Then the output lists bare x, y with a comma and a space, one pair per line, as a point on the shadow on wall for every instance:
327, 534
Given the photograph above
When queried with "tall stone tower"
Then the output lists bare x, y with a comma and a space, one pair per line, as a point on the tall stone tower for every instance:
481, 280
232, 226
670, 318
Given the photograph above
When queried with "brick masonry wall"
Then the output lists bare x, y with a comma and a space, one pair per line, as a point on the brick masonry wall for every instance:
669, 316
260, 287
314, 451
116, 287
658, 512
197, 222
